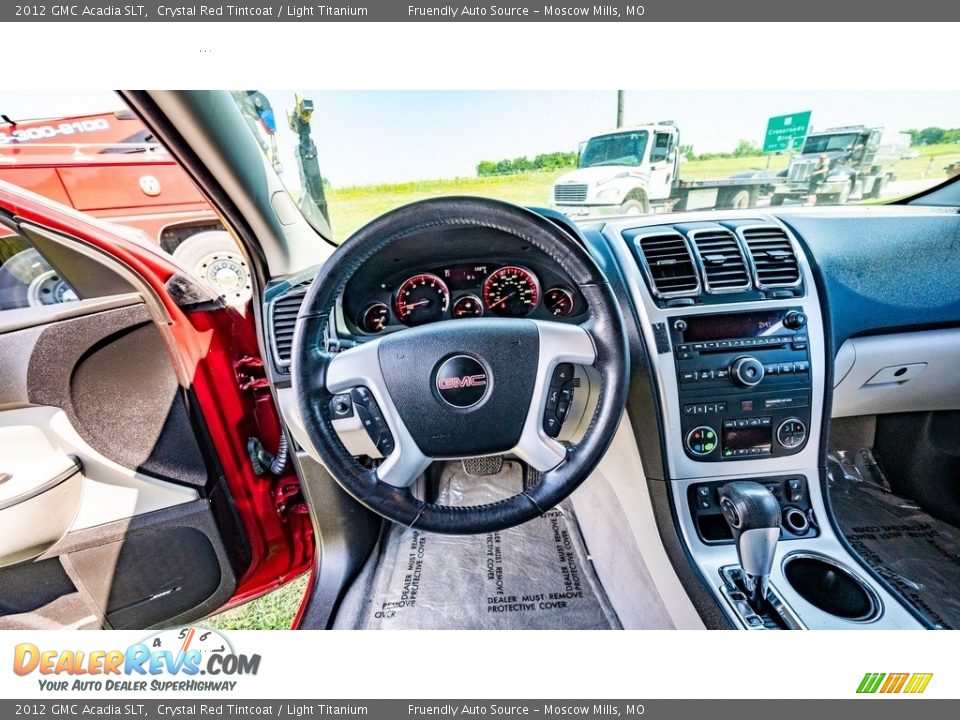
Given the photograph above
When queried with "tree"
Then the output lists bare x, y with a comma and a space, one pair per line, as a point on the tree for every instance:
746, 148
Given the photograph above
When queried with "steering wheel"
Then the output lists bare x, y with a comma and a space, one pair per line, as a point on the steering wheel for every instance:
461, 388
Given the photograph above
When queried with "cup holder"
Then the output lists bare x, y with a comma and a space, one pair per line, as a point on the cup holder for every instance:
830, 587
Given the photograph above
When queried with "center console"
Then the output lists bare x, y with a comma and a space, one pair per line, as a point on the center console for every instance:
744, 383
732, 322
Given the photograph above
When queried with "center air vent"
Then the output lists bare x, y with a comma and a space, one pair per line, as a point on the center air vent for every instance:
774, 260
283, 318
669, 264
724, 267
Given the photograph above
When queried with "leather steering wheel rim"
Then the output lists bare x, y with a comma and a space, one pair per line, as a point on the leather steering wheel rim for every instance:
318, 374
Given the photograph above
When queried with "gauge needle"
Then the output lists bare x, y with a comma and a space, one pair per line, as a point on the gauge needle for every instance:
503, 299
418, 303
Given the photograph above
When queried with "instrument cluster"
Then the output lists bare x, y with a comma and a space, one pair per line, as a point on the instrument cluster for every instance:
468, 290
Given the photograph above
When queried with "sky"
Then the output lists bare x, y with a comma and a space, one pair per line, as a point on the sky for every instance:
388, 136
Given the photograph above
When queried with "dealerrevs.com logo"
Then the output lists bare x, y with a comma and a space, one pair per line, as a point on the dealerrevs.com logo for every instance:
183, 660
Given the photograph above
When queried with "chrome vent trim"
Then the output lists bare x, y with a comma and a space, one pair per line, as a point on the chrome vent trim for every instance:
721, 260
282, 317
773, 257
668, 264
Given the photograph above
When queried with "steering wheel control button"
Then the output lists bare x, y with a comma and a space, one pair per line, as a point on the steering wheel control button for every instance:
702, 440
461, 381
341, 406
559, 398
792, 433
370, 416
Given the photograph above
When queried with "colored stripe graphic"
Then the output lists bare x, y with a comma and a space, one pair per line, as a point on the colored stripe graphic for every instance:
918, 682
912, 683
894, 683
870, 682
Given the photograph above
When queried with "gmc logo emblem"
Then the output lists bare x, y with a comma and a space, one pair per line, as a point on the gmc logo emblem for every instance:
462, 382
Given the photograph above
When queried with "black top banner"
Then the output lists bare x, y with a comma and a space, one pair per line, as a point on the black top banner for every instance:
854, 11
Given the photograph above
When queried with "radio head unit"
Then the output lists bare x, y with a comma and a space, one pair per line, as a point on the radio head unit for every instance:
744, 383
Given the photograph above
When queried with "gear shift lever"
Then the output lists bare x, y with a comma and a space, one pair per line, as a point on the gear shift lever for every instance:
753, 514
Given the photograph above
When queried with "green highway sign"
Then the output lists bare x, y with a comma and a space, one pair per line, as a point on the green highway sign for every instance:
785, 132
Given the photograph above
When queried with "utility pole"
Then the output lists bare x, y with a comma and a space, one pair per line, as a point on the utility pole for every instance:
620, 94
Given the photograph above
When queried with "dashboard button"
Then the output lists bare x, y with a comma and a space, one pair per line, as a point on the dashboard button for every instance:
688, 377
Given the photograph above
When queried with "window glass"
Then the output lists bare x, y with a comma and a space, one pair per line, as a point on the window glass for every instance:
350, 156
87, 151
26, 278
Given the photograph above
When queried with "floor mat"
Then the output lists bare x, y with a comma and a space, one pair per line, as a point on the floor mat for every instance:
535, 576
916, 553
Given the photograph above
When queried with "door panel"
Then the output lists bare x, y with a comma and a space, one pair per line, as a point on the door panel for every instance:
112, 507
39, 499
107, 479
156, 388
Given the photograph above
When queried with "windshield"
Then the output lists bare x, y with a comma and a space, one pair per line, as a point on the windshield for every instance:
347, 157
829, 143
614, 150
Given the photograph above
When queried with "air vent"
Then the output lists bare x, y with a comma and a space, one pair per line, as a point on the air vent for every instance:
722, 261
774, 260
669, 264
283, 317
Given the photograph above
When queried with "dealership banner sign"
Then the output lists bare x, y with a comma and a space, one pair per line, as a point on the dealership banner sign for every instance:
510, 11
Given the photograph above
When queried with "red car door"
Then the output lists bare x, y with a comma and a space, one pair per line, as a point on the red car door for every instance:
129, 397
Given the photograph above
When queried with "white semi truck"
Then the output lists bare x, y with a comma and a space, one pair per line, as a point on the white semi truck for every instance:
636, 170
859, 160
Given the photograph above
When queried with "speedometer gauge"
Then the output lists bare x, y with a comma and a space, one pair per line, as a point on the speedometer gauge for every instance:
421, 299
511, 291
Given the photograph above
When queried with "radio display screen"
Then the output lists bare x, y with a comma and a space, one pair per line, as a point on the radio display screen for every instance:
748, 438
739, 325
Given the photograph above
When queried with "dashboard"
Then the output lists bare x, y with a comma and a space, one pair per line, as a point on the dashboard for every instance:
458, 290
747, 332
456, 273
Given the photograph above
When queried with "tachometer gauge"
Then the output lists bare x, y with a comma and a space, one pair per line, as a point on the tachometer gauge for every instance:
421, 299
375, 318
559, 301
511, 291
467, 306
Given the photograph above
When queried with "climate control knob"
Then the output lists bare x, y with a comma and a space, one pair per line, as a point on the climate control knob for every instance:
746, 371
701, 440
792, 433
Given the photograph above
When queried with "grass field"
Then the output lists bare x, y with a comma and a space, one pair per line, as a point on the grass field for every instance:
353, 207
273, 611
